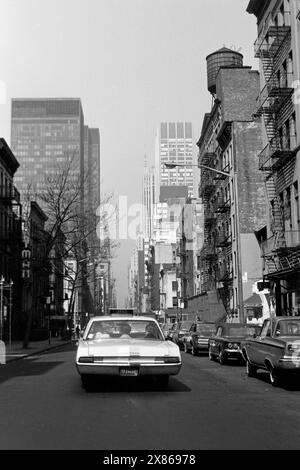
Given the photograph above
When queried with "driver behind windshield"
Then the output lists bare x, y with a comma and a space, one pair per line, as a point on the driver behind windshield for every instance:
151, 331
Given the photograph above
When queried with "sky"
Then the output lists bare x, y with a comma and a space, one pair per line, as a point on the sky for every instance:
133, 63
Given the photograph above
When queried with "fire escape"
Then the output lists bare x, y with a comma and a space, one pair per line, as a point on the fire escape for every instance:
217, 241
275, 98
208, 255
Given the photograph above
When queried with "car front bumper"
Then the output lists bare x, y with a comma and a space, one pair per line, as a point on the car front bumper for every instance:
288, 364
233, 353
114, 369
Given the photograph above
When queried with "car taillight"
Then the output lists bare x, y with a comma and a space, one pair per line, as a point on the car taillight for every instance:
86, 360
171, 360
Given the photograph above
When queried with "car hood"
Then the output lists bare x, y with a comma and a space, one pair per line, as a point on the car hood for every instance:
289, 339
131, 347
234, 339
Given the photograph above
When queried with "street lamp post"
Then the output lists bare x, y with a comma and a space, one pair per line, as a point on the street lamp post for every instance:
173, 165
10, 310
48, 302
2, 280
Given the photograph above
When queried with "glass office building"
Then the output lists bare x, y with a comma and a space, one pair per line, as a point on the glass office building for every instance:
44, 134
174, 144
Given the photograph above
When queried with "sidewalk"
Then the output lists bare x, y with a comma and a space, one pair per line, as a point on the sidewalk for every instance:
16, 350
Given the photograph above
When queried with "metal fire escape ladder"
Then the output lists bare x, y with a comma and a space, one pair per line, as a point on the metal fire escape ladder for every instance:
277, 225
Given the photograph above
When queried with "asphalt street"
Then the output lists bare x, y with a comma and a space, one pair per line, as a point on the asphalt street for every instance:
207, 406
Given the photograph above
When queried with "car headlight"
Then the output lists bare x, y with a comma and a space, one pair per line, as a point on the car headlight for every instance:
236, 345
293, 348
86, 360
230, 346
212, 343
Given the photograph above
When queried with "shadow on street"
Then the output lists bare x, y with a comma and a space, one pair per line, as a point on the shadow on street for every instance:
128, 385
26, 368
289, 384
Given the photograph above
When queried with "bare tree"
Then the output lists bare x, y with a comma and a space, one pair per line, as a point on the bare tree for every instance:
70, 229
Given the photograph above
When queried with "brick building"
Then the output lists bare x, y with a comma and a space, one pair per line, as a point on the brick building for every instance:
277, 47
233, 196
10, 244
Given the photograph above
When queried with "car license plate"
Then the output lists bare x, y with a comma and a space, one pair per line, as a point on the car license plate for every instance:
129, 372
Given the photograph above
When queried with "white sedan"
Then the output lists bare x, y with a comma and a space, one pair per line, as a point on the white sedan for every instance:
126, 347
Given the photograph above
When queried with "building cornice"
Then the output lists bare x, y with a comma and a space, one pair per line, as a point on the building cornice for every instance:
257, 7
7, 158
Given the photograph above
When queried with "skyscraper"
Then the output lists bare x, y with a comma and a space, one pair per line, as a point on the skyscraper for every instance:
44, 134
92, 167
174, 143
149, 190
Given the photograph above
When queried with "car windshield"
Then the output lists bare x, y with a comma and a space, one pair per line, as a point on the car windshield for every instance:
288, 328
241, 330
207, 330
124, 329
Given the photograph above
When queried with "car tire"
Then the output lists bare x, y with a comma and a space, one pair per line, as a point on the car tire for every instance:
275, 378
222, 358
250, 369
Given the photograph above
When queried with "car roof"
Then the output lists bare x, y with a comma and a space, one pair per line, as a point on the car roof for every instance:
123, 317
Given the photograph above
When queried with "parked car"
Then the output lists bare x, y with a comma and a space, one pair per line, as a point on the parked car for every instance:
166, 329
226, 343
180, 331
196, 340
276, 349
126, 347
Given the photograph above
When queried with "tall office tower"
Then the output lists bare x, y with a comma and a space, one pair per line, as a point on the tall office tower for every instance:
148, 199
92, 167
44, 134
174, 143
91, 204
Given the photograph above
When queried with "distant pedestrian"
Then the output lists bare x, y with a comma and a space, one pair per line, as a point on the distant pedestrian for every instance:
77, 331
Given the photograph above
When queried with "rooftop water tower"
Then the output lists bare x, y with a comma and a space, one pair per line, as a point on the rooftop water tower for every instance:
222, 58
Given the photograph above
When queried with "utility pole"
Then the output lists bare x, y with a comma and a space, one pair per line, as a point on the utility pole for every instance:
10, 310
2, 280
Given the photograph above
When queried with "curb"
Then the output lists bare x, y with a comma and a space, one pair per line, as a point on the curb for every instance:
38, 351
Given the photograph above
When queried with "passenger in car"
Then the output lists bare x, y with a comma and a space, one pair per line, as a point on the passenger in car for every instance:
101, 333
151, 331
125, 330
